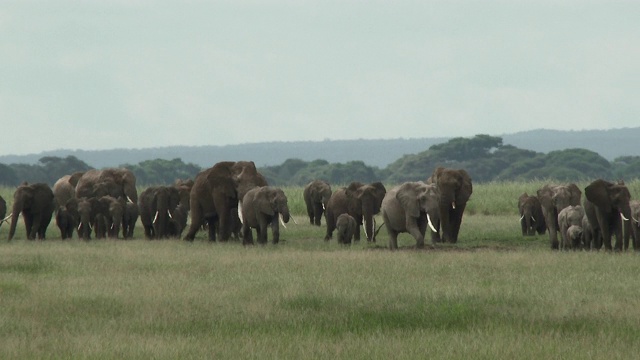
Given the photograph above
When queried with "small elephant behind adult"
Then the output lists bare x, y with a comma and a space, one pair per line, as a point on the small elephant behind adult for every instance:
68, 218
316, 195
571, 215
531, 217
553, 199
574, 236
411, 208
262, 207
345, 228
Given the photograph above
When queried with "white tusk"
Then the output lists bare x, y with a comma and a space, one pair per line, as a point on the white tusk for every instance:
129, 200
155, 218
522, 218
623, 218
282, 221
79, 226
240, 212
533, 219
294, 219
169, 213
323, 208
364, 227
453, 205
431, 224
8, 217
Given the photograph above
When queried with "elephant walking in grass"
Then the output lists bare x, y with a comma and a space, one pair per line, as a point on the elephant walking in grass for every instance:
361, 201
262, 208
570, 222
531, 217
455, 189
36, 204
412, 207
635, 223
553, 199
608, 209
345, 228
316, 195
3, 211
68, 218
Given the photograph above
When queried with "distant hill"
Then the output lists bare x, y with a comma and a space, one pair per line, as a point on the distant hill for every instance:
378, 152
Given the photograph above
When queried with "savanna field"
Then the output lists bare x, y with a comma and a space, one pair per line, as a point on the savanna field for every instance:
493, 295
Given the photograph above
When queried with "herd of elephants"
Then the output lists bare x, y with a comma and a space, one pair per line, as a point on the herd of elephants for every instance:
230, 199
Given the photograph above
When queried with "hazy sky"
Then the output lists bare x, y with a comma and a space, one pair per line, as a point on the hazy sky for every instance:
113, 74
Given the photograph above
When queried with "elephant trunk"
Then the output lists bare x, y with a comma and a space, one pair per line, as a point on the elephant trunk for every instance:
17, 209
625, 217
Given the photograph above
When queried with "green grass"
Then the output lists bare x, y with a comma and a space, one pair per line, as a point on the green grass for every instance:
494, 295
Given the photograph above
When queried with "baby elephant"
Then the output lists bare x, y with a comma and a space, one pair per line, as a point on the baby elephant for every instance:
569, 217
346, 227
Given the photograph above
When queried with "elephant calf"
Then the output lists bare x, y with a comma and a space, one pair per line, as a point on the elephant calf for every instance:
570, 222
346, 228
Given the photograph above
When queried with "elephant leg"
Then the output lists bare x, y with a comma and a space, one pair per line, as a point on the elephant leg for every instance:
457, 221
35, 228
247, 235
393, 239
417, 235
317, 214
275, 229
551, 220
331, 225
214, 225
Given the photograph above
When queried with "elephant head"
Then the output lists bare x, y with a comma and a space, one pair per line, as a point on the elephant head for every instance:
346, 228
164, 201
67, 218
36, 204
613, 211
316, 195
272, 201
412, 207
216, 191
553, 199
262, 208
113, 212
455, 190
117, 182
531, 217
87, 210
364, 201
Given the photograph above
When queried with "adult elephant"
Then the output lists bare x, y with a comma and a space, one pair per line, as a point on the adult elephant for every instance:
116, 182
455, 190
216, 191
111, 212
262, 207
570, 223
316, 194
88, 210
157, 205
3, 210
610, 212
67, 218
36, 203
531, 217
64, 189
361, 201
553, 199
410, 208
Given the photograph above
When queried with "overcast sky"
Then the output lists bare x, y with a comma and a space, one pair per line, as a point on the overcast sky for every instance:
137, 74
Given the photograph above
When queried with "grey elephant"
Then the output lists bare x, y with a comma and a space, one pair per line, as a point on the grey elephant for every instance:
345, 228
362, 201
3, 211
178, 221
553, 199
316, 195
129, 219
116, 182
455, 189
571, 217
112, 212
156, 206
607, 206
531, 217
64, 189
263, 207
635, 222
216, 191
88, 210
68, 218
412, 207
36, 204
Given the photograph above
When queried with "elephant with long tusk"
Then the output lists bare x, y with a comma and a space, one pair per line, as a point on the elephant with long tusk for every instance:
608, 209
532, 220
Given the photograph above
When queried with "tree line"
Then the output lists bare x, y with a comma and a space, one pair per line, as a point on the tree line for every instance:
484, 157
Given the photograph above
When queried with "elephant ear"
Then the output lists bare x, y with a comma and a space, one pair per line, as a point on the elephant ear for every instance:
407, 196
576, 194
264, 200
545, 195
380, 191
433, 179
598, 193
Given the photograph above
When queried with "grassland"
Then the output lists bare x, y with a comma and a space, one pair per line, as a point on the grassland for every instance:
494, 295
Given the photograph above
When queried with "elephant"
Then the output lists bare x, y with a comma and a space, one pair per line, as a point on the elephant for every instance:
178, 221
262, 207
411, 207
129, 219
64, 188
531, 217
553, 199
117, 182
362, 201
216, 191
68, 218
157, 204
635, 225
316, 194
88, 209
36, 203
3, 211
587, 232
570, 217
455, 189
345, 228
609, 212
111, 211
